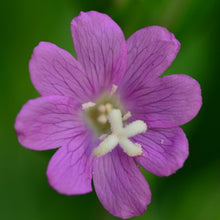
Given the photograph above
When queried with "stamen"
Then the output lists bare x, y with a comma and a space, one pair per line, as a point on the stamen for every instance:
120, 136
108, 107
126, 116
102, 119
114, 89
88, 105
102, 108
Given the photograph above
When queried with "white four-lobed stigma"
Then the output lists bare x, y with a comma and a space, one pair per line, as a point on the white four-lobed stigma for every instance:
120, 136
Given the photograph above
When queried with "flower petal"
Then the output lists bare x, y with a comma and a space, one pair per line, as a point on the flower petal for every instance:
168, 102
101, 49
48, 122
151, 51
120, 185
69, 170
54, 71
164, 150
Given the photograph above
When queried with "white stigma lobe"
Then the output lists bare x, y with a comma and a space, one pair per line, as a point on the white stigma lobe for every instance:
107, 145
120, 136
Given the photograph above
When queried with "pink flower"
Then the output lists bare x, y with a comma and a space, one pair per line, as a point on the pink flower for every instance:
109, 111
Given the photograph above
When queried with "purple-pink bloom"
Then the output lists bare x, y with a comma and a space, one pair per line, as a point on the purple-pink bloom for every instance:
108, 111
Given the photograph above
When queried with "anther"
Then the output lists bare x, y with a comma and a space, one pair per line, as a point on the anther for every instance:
126, 116
108, 107
102, 108
114, 89
88, 105
102, 119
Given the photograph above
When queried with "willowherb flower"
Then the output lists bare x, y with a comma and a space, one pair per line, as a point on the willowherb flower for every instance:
108, 111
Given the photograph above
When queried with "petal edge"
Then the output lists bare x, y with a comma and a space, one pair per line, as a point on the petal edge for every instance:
48, 122
120, 185
164, 150
54, 71
151, 51
167, 102
101, 49
69, 170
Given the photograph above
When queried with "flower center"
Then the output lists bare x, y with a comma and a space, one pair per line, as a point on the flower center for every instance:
96, 113
105, 119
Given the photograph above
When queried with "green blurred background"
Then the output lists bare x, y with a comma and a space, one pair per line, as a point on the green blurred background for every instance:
194, 191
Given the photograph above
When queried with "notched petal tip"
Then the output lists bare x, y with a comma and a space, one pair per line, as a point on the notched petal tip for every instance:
151, 51
20, 125
19, 129
120, 185
54, 71
191, 94
100, 47
48, 122
162, 33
